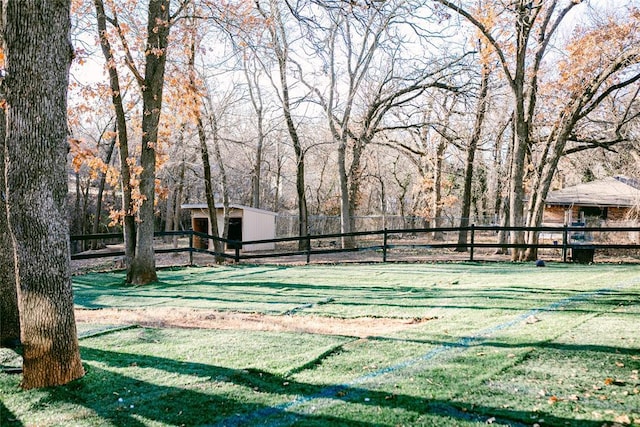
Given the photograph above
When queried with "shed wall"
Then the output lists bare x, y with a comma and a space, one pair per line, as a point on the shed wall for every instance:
255, 226
258, 226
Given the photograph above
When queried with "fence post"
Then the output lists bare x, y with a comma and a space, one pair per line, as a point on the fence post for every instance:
565, 243
384, 246
308, 245
473, 233
191, 248
237, 254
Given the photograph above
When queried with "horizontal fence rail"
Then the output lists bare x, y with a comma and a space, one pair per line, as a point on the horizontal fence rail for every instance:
578, 240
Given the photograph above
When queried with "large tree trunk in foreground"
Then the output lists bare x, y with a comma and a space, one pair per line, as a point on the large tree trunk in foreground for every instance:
38, 55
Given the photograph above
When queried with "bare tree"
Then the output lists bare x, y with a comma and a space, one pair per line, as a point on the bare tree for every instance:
472, 146
368, 77
280, 44
520, 40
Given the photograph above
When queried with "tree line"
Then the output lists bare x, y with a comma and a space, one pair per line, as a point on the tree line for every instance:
428, 108
412, 107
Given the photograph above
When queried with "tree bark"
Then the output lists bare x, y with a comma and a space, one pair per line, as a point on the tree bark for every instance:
95, 229
255, 96
143, 266
281, 49
437, 188
471, 153
36, 32
226, 204
218, 246
128, 221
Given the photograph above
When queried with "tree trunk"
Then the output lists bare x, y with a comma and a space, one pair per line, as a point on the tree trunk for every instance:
143, 267
354, 182
471, 154
178, 200
437, 188
36, 32
226, 203
95, 229
345, 218
281, 48
303, 226
128, 219
516, 184
218, 246
503, 236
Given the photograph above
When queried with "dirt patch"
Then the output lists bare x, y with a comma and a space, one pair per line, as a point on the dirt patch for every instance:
210, 319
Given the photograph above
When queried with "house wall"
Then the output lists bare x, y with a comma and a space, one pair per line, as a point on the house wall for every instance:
557, 215
553, 215
617, 214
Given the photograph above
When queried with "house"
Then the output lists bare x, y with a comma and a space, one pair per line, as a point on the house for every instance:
610, 199
245, 224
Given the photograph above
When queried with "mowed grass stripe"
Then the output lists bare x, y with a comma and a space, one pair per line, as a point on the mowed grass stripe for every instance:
338, 393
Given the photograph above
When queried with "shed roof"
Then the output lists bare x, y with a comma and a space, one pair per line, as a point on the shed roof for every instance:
232, 206
617, 191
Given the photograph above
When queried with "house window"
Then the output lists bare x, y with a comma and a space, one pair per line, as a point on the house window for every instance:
594, 211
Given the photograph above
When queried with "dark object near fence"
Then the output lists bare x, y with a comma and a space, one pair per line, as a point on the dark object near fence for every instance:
583, 254
540, 263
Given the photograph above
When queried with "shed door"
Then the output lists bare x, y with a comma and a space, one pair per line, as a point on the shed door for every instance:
201, 225
235, 232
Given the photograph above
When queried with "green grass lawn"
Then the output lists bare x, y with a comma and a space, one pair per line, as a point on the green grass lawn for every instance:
507, 344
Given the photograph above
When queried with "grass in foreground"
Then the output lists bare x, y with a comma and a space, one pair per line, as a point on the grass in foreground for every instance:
486, 355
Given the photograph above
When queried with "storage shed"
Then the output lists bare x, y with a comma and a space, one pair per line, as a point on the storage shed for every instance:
245, 224
609, 199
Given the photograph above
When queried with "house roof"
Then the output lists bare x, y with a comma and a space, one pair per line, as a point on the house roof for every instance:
232, 206
617, 191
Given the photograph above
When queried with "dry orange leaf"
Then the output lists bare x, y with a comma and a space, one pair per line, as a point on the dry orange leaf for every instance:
622, 419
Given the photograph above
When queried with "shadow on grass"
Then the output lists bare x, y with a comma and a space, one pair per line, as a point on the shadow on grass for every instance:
230, 397
7, 418
193, 290
470, 342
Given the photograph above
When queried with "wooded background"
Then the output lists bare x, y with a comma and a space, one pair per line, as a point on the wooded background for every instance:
449, 112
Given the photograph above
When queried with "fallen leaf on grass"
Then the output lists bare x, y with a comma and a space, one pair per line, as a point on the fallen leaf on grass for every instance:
622, 419
611, 381
619, 364
531, 319
553, 400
